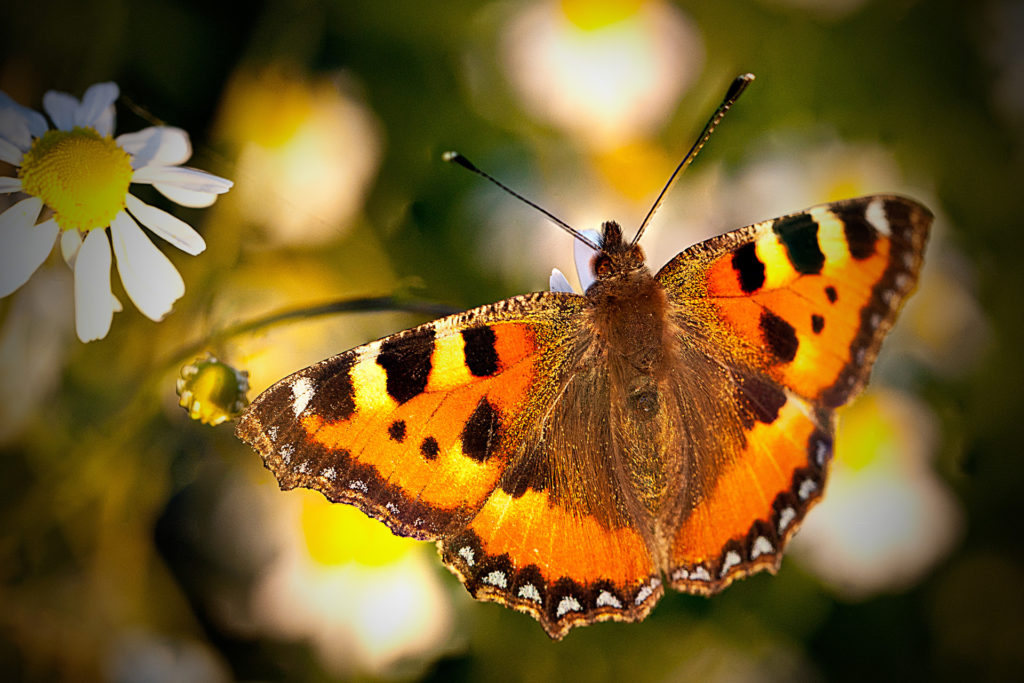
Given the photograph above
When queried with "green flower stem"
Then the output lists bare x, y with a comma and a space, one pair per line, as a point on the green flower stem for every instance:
363, 304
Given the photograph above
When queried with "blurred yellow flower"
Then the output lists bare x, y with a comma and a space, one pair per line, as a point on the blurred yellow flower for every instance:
307, 153
212, 392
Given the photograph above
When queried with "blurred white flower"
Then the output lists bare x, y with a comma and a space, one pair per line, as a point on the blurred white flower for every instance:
607, 72
887, 517
368, 602
138, 655
81, 176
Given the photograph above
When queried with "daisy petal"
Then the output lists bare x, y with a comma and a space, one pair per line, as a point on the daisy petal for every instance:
159, 145
25, 245
97, 108
149, 277
8, 185
94, 302
183, 177
171, 228
189, 198
558, 283
14, 130
35, 121
61, 108
70, 243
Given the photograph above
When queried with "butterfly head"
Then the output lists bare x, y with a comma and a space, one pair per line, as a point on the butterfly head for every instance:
617, 257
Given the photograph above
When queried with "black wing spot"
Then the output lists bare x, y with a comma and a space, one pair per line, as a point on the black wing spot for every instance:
397, 431
334, 399
799, 234
761, 400
478, 349
429, 448
749, 268
832, 294
860, 235
406, 361
817, 323
779, 335
480, 435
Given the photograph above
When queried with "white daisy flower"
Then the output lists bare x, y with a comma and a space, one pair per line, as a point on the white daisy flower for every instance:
81, 175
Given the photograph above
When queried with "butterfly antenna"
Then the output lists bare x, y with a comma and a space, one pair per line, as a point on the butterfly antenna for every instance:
456, 158
733, 94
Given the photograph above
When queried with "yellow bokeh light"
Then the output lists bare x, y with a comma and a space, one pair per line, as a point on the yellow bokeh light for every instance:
338, 534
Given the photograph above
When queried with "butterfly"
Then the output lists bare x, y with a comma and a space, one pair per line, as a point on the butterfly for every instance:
573, 454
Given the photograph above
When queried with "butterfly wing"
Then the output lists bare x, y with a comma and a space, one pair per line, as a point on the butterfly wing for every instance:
795, 308
486, 431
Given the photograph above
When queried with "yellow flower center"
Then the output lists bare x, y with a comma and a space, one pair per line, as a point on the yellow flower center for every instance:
592, 15
80, 174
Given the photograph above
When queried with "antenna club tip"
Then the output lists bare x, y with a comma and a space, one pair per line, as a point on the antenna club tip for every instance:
456, 158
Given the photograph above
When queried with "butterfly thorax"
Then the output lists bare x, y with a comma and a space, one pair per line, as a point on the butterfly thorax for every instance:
628, 309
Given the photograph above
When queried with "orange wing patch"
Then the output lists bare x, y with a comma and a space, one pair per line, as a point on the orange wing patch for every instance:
561, 566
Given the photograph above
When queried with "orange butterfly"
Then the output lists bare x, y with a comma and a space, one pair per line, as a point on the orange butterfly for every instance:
571, 454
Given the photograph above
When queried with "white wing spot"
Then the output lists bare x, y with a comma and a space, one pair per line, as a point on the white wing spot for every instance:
466, 553
700, 573
732, 559
786, 518
303, 467
496, 578
530, 592
876, 320
606, 599
821, 452
875, 214
807, 488
391, 507
272, 433
359, 485
567, 604
762, 546
329, 474
302, 394
860, 356
681, 574
646, 591
286, 451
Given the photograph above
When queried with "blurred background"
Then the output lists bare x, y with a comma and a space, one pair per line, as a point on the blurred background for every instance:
139, 545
